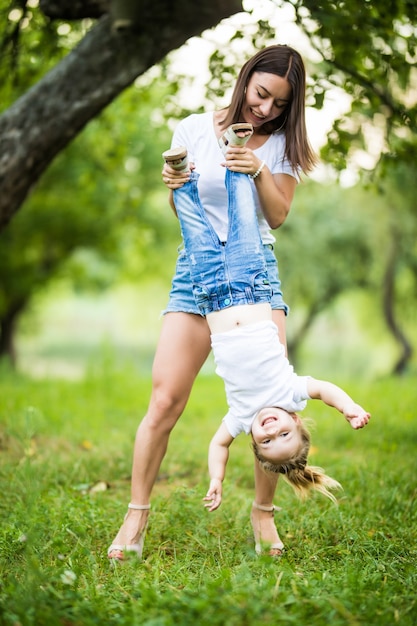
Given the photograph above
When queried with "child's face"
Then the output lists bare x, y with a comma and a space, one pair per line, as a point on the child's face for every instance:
277, 434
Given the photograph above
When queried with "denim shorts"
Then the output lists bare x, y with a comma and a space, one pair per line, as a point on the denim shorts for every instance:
181, 299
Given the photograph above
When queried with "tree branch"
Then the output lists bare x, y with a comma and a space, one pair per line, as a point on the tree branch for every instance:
45, 119
74, 9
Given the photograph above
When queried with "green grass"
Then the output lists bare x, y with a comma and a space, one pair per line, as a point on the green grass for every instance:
354, 564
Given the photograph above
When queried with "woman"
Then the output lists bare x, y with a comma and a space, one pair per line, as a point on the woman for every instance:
270, 95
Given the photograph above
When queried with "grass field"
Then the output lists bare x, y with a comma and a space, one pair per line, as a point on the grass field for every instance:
65, 455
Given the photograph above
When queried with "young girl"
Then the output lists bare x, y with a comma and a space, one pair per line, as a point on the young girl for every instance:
232, 290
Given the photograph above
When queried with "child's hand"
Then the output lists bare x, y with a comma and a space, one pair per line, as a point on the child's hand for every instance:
213, 498
356, 415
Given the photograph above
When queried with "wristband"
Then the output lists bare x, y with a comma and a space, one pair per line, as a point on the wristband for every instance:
258, 171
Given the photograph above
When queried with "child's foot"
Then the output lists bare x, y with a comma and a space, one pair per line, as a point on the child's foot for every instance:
177, 158
265, 532
235, 135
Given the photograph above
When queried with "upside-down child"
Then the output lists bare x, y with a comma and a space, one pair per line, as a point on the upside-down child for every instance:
231, 288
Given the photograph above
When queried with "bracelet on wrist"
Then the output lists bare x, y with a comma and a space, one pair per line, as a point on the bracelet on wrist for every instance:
258, 171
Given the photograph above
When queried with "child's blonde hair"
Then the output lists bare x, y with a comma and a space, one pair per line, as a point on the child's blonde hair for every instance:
302, 477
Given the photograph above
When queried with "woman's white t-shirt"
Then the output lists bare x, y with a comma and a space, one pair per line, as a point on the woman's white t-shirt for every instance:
197, 134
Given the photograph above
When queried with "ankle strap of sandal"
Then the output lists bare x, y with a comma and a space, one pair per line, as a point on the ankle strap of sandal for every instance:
269, 509
139, 507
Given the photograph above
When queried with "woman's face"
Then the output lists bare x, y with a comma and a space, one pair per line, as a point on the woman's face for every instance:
276, 434
267, 96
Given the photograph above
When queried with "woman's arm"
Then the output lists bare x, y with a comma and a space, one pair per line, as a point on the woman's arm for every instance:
276, 193
335, 396
217, 461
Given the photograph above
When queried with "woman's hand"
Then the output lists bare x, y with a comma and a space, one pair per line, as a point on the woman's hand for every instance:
242, 159
275, 192
174, 179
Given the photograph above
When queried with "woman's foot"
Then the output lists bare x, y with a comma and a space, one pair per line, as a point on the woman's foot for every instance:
131, 535
265, 532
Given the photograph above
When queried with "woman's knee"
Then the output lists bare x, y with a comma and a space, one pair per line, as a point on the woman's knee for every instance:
165, 408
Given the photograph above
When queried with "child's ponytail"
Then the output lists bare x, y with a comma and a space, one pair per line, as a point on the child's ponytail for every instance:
305, 479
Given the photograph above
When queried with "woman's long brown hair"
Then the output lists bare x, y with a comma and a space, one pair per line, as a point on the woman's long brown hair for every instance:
286, 62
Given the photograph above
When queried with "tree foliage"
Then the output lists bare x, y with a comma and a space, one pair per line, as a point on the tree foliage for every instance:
63, 62
98, 214
325, 250
368, 49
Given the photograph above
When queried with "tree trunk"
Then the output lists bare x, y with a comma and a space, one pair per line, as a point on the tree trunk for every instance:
45, 119
8, 322
74, 9
293, 344
389, 310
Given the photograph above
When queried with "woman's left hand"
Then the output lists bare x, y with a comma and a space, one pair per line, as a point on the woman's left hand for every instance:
242, 159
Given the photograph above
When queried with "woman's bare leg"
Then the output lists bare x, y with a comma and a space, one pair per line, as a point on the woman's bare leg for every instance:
263, 521
183, 346
265, 484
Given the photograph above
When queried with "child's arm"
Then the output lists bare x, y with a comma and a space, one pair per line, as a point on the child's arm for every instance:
335, 396
217, 461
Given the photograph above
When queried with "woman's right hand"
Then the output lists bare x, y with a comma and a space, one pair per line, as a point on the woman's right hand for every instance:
174, 179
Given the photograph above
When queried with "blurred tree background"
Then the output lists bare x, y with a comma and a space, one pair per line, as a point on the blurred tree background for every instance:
88, 253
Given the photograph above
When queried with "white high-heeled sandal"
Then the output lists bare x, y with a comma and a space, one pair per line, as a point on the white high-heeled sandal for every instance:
272, 549
134, 547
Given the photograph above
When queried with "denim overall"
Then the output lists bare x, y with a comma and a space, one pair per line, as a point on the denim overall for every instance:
224, 274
